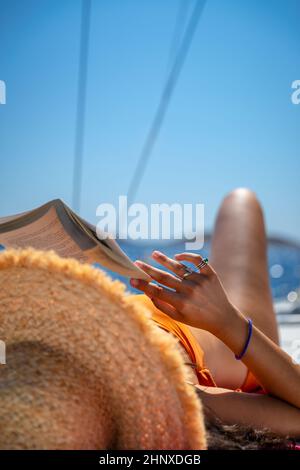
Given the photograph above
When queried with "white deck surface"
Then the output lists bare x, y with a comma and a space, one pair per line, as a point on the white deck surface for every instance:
289, 328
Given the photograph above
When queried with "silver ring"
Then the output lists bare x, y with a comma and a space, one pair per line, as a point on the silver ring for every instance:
188, 271
199, 266
202, 264
187, 274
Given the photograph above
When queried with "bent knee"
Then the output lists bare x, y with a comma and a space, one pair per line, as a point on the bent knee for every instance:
242, 193
242, 196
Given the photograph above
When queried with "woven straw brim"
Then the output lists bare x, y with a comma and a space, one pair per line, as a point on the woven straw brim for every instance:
85, 369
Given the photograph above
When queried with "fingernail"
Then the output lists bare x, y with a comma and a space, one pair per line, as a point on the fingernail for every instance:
134, 282
138, 263
157, 254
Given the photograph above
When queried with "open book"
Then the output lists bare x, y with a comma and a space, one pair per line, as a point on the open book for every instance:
54, 226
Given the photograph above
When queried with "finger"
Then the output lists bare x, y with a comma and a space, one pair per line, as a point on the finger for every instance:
161, 276
167, 309
195, 259
155, 291
178, 268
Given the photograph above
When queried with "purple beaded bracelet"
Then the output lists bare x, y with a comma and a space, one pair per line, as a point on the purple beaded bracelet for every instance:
250, 324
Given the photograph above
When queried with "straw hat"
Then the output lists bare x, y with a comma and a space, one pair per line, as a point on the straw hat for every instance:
84, 369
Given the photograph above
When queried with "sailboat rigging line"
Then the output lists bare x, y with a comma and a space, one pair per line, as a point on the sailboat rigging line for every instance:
180, 23
81, 102
164, 101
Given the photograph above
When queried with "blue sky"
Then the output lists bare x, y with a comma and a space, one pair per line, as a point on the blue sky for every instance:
231, 121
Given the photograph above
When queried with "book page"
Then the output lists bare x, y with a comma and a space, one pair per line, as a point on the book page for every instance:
12, 217
54, 226
108, 252
45, 233
96, 255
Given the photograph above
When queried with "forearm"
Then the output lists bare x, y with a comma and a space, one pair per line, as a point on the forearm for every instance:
259, 411
273, 368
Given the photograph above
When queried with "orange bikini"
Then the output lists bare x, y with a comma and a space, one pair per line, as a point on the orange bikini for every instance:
192, 347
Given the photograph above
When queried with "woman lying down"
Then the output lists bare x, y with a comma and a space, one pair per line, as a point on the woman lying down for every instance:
223, 316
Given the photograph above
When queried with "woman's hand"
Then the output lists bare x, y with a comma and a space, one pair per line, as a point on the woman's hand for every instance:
199, 300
